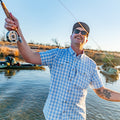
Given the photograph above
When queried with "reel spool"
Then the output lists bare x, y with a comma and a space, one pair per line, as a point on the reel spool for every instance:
12, 36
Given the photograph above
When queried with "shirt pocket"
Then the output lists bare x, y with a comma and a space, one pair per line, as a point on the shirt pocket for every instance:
62, 63
61, 68
82, 79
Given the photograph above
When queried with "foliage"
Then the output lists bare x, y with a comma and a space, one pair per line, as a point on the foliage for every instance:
5, 51
56, 42
108, 58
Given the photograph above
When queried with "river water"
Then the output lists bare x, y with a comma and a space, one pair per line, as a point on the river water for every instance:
23, 94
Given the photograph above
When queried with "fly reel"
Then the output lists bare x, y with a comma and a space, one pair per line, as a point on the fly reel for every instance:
13, 37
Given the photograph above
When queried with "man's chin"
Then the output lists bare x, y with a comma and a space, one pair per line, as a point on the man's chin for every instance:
79, 42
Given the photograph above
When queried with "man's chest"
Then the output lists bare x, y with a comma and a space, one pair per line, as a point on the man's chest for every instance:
71, 70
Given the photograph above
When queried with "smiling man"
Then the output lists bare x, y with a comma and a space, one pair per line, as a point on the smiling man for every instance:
72, 72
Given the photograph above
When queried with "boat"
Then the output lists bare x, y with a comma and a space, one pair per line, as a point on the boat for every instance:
23, 67
10, 63
109, 71
3, 64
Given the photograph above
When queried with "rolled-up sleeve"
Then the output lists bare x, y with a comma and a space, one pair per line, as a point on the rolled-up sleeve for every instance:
48, 57
96, 81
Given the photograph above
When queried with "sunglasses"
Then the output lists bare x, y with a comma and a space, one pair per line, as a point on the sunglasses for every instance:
77, 31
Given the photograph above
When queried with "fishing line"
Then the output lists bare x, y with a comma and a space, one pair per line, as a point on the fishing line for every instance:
69, 11
72, 14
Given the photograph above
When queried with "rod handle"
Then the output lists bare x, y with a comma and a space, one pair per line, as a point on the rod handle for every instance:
6, 10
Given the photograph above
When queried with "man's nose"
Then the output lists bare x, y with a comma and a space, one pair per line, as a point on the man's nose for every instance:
80, 33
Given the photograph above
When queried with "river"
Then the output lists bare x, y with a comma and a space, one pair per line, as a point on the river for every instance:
23, 94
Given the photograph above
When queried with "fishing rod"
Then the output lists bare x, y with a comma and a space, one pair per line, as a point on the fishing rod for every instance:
5, 9
11, 35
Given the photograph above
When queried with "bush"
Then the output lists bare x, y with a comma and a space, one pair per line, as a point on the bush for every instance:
5, 51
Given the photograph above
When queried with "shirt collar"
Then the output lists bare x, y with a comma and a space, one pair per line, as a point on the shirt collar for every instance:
72, 52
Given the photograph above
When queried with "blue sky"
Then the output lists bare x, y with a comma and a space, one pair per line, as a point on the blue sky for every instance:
44, 20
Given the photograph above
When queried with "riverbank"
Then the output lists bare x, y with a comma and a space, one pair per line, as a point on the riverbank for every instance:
100, 57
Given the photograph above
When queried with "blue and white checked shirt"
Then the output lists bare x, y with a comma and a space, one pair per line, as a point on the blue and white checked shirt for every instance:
70, 77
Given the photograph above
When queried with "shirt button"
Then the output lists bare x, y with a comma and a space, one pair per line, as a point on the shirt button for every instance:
65, 101
68, 91
63, 111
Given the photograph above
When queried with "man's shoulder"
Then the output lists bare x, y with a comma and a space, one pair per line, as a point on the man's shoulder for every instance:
89, 60
61, 50
58, 51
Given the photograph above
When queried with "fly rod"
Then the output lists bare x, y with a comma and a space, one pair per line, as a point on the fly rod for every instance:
5, 10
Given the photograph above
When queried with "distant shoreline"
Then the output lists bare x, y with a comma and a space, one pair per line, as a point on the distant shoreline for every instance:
100, 57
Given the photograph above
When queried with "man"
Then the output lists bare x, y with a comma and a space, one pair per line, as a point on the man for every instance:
71, 74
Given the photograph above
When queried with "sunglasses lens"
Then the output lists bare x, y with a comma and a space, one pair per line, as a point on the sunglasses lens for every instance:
83, 32
76, 31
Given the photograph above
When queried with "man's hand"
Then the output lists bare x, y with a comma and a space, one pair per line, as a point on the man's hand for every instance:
12, 24
107, 94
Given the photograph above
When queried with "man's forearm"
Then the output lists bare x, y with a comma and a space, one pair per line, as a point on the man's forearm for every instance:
23, 47
108, 94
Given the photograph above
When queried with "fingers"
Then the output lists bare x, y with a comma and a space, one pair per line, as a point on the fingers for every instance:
10, 25
7, 20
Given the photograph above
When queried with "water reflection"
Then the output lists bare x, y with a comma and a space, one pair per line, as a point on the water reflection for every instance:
9, 73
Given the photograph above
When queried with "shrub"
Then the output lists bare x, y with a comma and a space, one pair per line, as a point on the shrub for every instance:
5, 51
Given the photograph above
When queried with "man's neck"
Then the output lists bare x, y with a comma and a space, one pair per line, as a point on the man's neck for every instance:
77, 49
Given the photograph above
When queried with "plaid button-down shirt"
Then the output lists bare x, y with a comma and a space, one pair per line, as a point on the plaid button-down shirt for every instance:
70, 77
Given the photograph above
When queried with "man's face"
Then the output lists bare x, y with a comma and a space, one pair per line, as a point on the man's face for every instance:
77, 37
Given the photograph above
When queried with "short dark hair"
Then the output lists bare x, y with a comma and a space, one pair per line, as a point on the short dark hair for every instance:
82, 25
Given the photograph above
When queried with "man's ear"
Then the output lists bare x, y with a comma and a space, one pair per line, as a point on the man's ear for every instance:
86, 40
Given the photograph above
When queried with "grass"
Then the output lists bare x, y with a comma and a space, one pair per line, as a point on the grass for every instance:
5, 51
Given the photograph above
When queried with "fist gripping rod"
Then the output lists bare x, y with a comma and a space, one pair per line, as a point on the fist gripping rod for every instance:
12, 35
